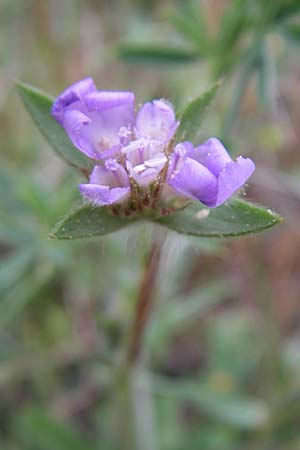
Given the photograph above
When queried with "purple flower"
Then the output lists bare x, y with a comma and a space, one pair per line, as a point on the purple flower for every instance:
93, 119
109, 184
207, 173
139, 149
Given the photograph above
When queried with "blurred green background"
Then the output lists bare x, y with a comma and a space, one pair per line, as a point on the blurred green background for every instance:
223, 346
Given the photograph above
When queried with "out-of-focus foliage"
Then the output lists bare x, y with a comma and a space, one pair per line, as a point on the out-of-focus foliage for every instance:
222, 348
237, 41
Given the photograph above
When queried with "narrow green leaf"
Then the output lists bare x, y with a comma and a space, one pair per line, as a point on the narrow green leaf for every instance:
157, 54
189, 20
88, 221
233, 408
194, 114
39, 105
233, 219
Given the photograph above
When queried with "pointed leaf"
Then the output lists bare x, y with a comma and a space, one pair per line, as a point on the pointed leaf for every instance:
233, 219
88, 221
39, 105
194, 114
158, 54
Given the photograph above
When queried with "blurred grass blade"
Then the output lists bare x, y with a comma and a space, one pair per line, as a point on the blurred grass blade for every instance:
88, 221
194, 114
13, 302
37, 430
179, 313
233, 219
13, 268
39, 105
189, 21
235, 409
156, 54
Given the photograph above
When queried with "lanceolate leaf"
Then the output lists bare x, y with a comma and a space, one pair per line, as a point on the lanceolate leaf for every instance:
157, 54
194, 114
88, 221
39, 105
234, 219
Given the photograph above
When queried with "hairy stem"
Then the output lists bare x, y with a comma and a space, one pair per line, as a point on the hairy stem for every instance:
145, 299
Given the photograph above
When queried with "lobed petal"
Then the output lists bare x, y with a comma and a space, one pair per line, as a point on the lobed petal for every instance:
156, 120
212, 154
93, 119
109, 184
232, 177
195, 181
71, 96
78, 126
207, 173
112, 174
103, 195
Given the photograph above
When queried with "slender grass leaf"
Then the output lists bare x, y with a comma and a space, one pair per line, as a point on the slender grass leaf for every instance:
176, 314
157, 54
88, 221
25, 291
194, 114
39, 105
14, 267
190, 29
234, 408
233, 219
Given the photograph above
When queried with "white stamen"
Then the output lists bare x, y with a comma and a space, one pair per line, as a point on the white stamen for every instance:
156, 162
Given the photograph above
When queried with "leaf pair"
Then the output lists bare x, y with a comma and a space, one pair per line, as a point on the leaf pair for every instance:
235, 219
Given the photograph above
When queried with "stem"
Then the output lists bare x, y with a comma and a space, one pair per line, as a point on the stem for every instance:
144, 303
134, 403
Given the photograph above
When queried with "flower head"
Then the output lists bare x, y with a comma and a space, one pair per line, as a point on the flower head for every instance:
136, 155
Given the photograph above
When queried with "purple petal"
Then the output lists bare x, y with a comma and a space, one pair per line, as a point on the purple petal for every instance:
112, 175
229, 175
109, 184
156, 120
84, 133
110, 114
105, 100
78, 127
93, 119
71, 96
103, 195
195, 181
232, 177
212, 154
